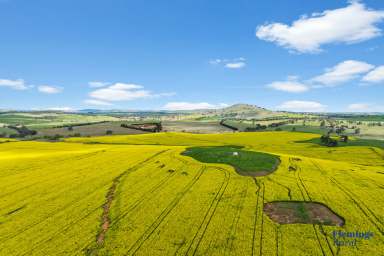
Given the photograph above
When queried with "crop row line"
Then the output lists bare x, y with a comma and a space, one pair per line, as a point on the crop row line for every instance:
256, 214
153, 227
105, 218
210, 212
143, 198
303, 189
360, 205
236, 219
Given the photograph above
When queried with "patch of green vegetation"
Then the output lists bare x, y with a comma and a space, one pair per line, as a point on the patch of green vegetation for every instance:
372, 118
301, 128
241, 160
302, 211
5, 132
355, 142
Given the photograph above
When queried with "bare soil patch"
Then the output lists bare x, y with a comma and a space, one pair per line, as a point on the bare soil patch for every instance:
198, 127
291, 212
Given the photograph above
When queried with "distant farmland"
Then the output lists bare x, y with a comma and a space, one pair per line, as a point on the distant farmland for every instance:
97, 129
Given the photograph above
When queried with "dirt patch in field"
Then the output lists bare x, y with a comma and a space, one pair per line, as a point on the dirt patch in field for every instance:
105, 220
291, 212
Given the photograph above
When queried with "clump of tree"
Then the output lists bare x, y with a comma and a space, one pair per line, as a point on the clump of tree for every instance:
328, 141
222, 122
22, 131
258, 127
272, 125
344, 138
148, 127
55, 137
109, 132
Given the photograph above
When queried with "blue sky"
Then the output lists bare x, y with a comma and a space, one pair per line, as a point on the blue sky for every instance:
292, 55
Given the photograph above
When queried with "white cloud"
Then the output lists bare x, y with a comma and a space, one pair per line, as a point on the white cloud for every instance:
123, 86
342, 72
123, 92
291, 85
215, 61
49, 89
375, 76
192, 106
302, 106
18, 84
109, 94
235, 65
97, 84
351, 24
359, 107
63, 109
97, 102
365, 107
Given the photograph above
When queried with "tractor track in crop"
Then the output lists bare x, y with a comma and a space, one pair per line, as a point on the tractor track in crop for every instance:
105, 218
372, 218
61, 231
361, 205
304, 191
167, 210
286, 187
377, 153
146, 195
57, 211
277, 235
362, 177
236, 219
262, 223
64, 191
256, 214
210, 212
319, 225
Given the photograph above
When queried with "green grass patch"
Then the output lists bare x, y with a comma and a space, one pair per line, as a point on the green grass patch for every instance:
354, 142
248, 162
300, 128
302, 212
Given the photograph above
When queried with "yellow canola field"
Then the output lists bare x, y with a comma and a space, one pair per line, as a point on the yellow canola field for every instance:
53, 197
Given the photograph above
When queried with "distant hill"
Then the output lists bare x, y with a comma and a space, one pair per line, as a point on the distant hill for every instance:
242, 111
